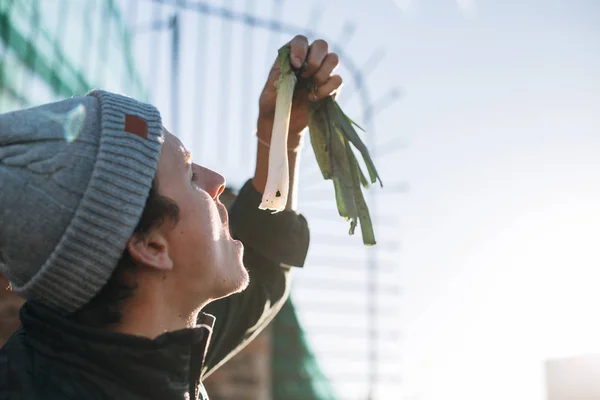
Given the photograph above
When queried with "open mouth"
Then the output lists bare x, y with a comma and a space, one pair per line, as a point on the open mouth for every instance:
224, 214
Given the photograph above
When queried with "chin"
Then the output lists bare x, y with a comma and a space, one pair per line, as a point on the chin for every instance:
242, 277
243, 281
233, 277
237, 281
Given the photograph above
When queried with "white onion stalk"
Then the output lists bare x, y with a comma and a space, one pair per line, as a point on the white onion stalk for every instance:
275, 196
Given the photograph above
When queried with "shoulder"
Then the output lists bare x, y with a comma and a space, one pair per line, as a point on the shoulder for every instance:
16, 365
26, 374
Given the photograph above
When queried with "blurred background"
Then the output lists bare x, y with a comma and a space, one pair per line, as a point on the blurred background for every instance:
483, 118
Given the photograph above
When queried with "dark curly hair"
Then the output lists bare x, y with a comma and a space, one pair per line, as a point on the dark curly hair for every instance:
104, 309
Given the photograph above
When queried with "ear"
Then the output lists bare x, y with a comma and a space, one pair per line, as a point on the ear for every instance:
151, 250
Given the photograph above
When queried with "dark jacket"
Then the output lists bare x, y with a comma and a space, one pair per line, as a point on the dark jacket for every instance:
52, 357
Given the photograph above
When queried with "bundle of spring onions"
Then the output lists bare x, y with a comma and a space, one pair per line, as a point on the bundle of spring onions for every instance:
331, 133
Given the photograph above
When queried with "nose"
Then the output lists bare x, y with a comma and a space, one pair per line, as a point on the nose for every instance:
213, 182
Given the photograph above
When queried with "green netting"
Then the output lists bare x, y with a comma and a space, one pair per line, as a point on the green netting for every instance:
63, 48
295, 369
57, 49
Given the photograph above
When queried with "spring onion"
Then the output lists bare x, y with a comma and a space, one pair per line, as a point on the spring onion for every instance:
331, 134
277, 187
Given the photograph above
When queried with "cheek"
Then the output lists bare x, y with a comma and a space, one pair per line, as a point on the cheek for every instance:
212, 225
193, 243
202, 218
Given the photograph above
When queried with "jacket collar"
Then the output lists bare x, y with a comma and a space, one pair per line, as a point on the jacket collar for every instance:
168, 366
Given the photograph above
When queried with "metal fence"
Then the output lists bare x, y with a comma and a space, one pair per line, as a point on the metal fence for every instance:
203, 64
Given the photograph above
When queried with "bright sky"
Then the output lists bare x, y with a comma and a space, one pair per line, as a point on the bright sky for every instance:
500, 231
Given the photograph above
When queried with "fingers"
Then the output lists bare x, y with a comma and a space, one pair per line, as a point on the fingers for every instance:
316, 63
332, 85
316, 55
298, 50
329, 64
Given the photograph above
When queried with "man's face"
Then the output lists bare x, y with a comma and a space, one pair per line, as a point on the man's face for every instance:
207, 262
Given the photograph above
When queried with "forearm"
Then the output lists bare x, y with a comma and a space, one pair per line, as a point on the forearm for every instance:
262, 162
273, 243
242, 316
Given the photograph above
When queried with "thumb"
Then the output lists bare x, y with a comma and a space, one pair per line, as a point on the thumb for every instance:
273, 75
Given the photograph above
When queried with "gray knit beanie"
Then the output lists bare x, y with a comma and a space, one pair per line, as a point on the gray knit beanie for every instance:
74, 179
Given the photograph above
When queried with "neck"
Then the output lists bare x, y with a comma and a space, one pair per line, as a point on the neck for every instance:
151, 316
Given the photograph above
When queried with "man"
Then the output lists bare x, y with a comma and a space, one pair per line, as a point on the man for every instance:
137, 284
